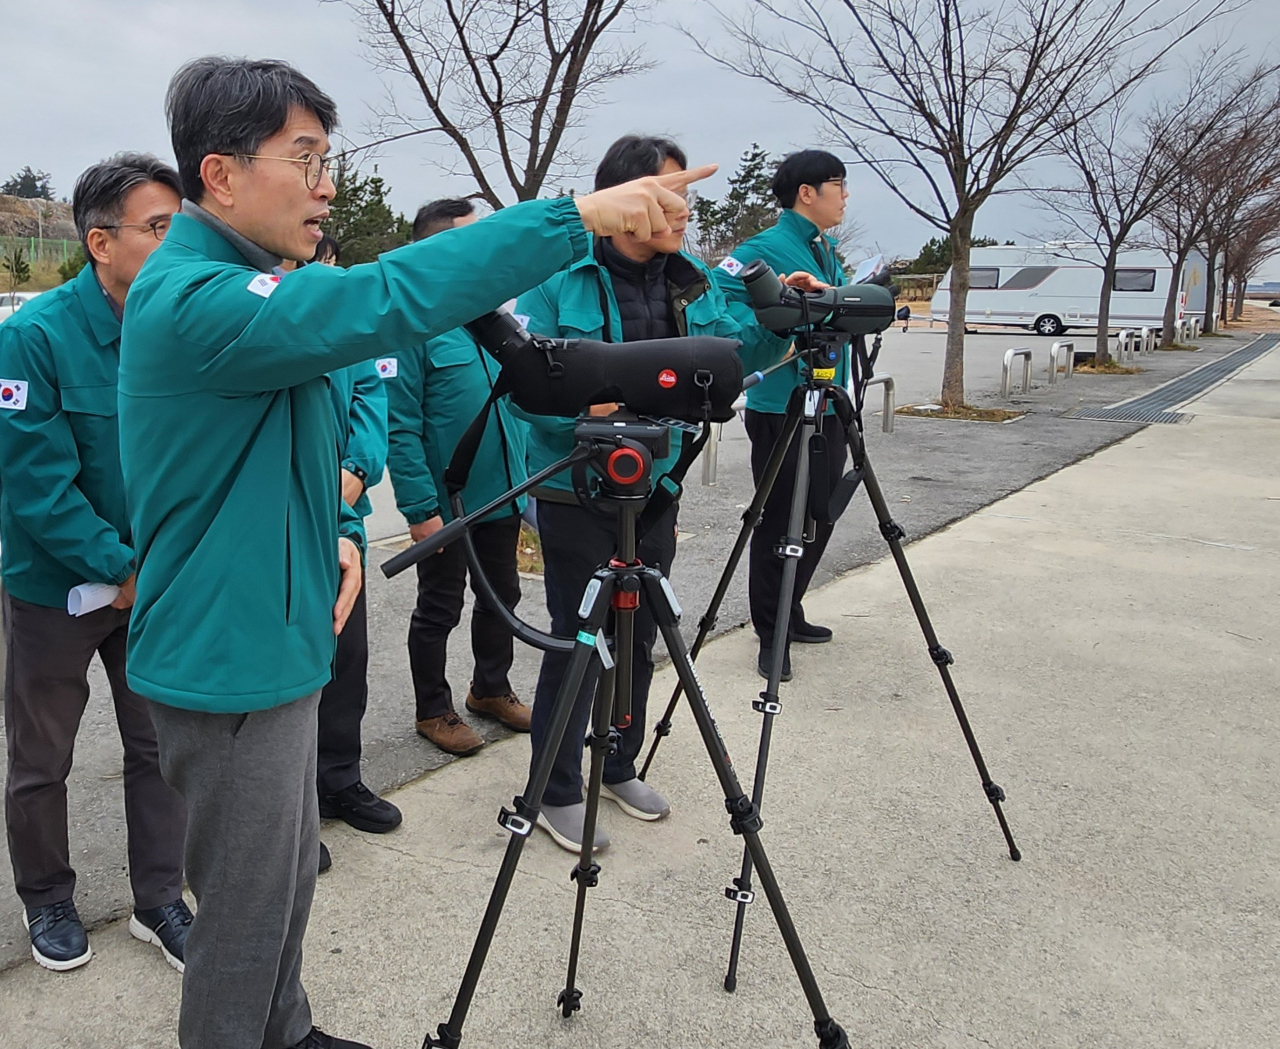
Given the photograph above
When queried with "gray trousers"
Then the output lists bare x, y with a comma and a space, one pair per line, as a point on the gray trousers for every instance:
46, 688
253, 847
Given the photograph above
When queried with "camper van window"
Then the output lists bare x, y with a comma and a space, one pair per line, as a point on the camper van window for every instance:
1027, 277
984, 277
1134, 280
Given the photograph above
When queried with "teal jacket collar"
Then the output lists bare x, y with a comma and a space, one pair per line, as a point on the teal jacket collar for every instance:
257, 257
591, 261
796, 223
93, 300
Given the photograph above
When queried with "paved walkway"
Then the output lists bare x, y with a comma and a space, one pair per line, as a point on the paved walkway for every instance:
1116, 638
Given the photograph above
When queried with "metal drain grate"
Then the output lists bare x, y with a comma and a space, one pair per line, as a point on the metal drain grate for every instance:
1128, 415
1154, 406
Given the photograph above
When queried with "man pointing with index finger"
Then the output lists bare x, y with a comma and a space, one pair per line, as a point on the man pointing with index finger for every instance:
246, 567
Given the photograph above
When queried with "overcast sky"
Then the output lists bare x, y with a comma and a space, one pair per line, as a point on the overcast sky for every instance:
85, 78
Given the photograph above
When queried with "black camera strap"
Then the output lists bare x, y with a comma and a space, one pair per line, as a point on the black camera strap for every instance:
670, 486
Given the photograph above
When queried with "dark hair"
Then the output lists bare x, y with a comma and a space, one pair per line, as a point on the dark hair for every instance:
98, 199
327, 250
439, 215
809, 167
635, 156
233, 105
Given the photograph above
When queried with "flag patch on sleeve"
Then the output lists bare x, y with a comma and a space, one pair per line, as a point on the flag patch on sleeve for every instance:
731, 266
264, 284
388, 367
13, 395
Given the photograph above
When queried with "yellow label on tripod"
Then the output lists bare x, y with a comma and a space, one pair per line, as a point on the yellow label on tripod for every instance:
824, 374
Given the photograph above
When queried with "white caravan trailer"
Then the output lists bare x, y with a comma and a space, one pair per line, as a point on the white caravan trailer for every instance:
1056, 287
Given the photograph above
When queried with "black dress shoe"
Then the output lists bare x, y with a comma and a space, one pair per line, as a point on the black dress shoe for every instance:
317, 1039
362, 808
58, 940
765, 662
326, 861
809, 633
167, 927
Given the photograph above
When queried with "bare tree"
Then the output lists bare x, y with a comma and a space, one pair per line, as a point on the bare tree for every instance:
1231, 109
1256, 241
945, 100
1123, 172
504, 81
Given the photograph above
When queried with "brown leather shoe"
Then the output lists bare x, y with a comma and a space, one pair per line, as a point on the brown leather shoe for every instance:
508, 709
450, 733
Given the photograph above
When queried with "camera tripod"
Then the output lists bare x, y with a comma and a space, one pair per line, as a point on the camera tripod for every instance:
624, 465
805, 410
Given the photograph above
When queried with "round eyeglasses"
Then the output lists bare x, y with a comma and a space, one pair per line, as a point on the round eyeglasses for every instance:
158, 228
314, 171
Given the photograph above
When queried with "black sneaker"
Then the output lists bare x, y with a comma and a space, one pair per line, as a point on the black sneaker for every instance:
765, 661
317, 1039
326, 861
809, 633
166, 926
58, 939
362, 808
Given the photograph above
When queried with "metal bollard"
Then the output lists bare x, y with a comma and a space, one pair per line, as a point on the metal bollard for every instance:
1146, 341
890, 401
1124, 345
1195, 327
711, 456
1055, 354
1025, 353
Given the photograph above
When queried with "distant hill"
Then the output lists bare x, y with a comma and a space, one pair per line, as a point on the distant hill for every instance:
19, 218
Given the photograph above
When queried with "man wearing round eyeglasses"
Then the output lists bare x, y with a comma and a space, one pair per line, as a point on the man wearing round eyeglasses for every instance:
248, 566
810, 187
63, 524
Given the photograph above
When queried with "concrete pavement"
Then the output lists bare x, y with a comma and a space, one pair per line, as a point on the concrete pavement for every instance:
1115, 631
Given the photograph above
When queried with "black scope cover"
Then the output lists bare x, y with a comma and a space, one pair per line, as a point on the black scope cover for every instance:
853, 309
659, 377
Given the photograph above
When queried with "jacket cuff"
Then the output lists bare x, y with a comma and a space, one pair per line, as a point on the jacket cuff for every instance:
419, 514
566, 209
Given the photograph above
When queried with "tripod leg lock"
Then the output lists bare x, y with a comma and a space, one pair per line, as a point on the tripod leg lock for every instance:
744, 815
892, 531
739, 893
941, 656
570, 1001
766, 705
662, 728
588, 876
830, 1035
444, 1039
994, 792
790, 547
519, 822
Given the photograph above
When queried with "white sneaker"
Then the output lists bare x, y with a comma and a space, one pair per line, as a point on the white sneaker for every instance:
637, 799
564, 824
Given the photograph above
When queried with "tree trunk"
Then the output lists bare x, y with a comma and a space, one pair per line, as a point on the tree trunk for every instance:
1101, 352
1171, 301
1237, 307
1211, 290
953, 367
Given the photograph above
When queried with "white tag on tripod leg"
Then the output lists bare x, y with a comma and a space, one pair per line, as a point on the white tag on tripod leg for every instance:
602, 646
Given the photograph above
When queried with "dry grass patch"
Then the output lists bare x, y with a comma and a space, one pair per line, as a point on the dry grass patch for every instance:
1108, 367
965, 413
529, 551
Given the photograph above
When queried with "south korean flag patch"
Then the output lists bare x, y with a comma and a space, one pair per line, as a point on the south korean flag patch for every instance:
264, 284
388, 367
13, 395
731, 266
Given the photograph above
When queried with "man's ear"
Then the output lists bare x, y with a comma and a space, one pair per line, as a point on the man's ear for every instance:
98, 243
217, 173
806, 194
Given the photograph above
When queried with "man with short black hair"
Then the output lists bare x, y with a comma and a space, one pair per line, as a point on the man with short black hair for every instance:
436, 391
62, 525
247, 559
810, 186
625, 290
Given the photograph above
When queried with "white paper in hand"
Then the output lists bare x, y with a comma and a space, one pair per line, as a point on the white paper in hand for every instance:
89, 597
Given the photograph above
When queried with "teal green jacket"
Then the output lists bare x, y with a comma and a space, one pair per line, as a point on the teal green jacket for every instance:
569, 306
227, 437
359, 397
62, 507
437, 389
793, 243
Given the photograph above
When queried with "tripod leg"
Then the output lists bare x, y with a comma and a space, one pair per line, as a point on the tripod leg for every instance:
790, 550
744, 816
520, 823
586, 872
894, 534
750, 518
